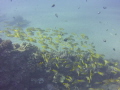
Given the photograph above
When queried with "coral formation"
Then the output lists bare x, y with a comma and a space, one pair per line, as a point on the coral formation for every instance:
18, 21
56, 61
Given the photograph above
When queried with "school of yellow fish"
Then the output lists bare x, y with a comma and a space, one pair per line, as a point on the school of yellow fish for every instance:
71, 57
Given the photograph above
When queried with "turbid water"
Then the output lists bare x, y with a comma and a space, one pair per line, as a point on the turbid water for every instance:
98, 19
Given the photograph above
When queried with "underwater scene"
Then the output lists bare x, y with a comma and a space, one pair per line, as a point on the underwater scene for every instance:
59, 45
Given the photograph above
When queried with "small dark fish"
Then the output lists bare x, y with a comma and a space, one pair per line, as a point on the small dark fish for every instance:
53, 5
100, 22
107, 30
104, 7
13, 17
11, 0
65, 39
104, 40
56, 15
114, 49
78, 7
115, 33
86, 0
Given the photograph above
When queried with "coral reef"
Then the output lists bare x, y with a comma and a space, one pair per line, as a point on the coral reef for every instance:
54, 60
6, 45
15, 65
18, 21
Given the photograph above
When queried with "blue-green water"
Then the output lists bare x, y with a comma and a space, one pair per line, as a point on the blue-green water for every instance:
71, 37
76, 16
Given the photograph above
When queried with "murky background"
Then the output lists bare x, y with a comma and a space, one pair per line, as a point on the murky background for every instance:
98, 19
